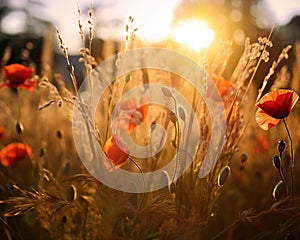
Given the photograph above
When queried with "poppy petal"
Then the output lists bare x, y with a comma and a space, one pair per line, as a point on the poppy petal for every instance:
274, 109
225, 88
264, 120
2, 132
28, 85
5, 85
294, 100
13, 153
278, 103
116, 153
133, 111
18, 75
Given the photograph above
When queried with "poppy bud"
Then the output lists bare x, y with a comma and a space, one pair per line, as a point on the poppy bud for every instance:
243, 157
181, 113
59, 103
172, 187
166, 92
276, 161
153, 125
59, 134
19, 128
71, 193
42, 152
281, 146
223, 175
64, 219
66, 167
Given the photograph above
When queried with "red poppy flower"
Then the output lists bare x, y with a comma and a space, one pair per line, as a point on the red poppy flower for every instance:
225, 88
14, 152
116, 151
18, 76
227, 91
130, 114
275, 106
2, 132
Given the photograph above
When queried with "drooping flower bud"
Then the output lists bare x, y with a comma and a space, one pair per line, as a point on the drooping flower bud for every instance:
71, 193
19, 128
181, 113
243, 157
223, 175
172, 187
276, 161
166, 91
281, 146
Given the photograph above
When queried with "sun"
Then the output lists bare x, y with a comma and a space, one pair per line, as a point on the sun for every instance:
194, 34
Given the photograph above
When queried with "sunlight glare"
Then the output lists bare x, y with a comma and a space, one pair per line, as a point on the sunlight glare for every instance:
193, 33
154, 21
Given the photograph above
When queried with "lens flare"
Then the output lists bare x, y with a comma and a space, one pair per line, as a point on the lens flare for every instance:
194, 34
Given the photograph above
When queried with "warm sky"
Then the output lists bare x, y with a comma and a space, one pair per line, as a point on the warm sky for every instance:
283, 10
148, 16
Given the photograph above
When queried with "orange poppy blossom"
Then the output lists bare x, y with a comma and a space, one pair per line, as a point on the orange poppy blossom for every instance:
227, 91
275, 106
2, 132
130, 114
13, 153
116, 152
18, 76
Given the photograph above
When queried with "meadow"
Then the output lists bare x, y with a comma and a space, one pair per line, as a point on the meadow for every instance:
252, 192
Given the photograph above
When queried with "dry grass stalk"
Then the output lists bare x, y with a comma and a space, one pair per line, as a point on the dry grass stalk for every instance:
76, 205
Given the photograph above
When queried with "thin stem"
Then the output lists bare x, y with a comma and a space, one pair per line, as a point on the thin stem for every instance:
282, 175
224, 230
177, 147
292, 160
144, 184
176, 124
7, 227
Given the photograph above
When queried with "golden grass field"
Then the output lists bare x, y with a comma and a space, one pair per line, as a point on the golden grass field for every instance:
49, 194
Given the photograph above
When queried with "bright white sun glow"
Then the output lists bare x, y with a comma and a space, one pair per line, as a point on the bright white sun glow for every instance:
194, 34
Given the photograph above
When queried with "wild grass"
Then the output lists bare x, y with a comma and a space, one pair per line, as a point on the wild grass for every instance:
55, 197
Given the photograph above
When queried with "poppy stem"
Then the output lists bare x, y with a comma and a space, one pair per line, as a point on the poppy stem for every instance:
177, 132
19, 105
144, 184
283, 177
292, 159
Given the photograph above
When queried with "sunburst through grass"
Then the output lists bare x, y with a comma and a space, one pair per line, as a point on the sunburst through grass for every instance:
51, 192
